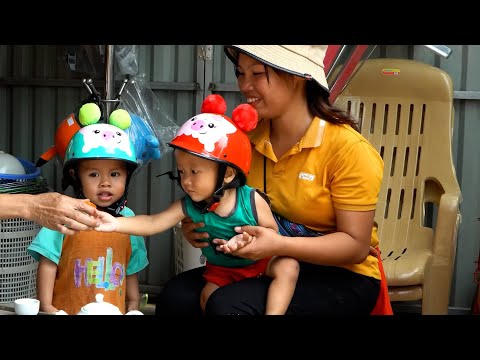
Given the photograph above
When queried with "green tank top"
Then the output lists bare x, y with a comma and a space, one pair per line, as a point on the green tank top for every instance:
220, 227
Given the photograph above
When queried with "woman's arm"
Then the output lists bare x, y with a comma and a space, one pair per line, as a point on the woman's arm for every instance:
52, 210
265, 219
143, 225
46, 274
264, 212
349, 245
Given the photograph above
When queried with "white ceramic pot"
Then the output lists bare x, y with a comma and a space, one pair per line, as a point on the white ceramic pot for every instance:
99, 307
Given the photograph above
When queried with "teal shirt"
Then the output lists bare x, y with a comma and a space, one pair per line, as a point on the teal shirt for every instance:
220, 227
48, 243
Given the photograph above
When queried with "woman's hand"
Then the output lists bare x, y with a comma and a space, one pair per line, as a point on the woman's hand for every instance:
109, 223
264, 242
192, 236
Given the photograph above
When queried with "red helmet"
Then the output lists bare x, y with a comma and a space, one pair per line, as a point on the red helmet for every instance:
214, 136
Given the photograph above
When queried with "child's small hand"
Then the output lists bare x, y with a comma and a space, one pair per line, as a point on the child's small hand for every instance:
235, 243
109, 223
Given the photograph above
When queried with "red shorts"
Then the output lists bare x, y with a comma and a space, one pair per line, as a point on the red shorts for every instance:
221, 275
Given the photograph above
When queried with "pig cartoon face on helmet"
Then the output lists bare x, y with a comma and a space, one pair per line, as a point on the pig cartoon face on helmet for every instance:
98, 141
208, 129
215, 137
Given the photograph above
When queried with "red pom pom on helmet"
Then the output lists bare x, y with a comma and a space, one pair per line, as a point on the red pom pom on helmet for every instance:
245, 117
214, 104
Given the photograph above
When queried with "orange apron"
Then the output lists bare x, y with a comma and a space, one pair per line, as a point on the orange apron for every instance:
92, 262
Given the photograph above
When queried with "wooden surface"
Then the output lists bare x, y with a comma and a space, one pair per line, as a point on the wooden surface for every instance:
7, 309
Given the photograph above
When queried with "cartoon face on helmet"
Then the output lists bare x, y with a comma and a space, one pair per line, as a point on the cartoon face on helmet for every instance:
215, 137
99, 141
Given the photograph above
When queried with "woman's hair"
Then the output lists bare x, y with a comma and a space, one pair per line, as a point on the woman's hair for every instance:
319, 105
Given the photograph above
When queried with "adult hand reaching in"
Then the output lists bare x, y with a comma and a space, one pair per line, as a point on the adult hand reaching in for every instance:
52, 210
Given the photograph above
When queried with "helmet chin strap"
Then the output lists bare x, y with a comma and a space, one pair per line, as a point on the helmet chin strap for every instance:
206, 206
219, 194
118, 206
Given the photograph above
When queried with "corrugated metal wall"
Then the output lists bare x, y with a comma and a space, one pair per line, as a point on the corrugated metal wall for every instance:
37, 90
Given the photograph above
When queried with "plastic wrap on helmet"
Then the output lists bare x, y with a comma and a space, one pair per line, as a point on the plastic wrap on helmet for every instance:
152, 127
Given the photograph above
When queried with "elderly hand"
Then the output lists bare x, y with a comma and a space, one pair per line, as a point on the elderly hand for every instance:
60, 212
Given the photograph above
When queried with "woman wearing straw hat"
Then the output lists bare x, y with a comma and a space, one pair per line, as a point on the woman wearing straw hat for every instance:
323, 180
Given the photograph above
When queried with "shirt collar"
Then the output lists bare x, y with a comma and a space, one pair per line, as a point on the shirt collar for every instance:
312, 138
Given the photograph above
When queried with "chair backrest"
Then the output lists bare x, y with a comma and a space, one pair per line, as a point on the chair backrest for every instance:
406, 111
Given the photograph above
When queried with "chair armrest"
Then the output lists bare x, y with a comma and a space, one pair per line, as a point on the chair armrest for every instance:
444, 240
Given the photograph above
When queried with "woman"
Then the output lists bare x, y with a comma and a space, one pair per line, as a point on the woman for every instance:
323, 180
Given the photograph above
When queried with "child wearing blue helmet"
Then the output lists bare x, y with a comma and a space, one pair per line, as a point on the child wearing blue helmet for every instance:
99, 162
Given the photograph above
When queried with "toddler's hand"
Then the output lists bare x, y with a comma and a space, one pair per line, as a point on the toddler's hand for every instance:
236, 242
109, 223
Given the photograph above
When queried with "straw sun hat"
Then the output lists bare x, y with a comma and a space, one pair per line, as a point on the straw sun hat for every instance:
301, 60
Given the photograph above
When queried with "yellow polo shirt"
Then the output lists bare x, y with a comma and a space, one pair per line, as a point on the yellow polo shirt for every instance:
332, 166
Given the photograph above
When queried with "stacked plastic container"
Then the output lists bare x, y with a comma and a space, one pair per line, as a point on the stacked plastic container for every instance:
18, 270
186, 256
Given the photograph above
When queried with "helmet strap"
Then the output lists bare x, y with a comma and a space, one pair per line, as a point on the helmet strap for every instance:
236, 182
172, 177
206, 206
117, 206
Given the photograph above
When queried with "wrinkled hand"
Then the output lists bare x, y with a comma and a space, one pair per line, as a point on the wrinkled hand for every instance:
108, 223
235, 243
63, 213
262, 242
192, 236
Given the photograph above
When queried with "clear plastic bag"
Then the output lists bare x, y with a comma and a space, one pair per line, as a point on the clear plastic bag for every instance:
126, 59
152, 127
